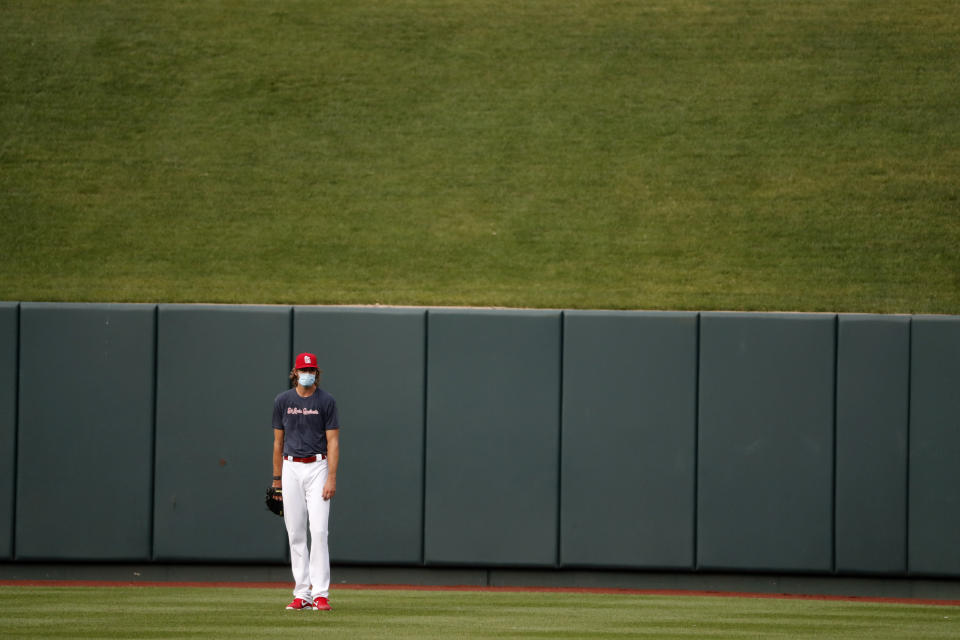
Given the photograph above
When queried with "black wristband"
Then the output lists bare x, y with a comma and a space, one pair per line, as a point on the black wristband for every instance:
276, 477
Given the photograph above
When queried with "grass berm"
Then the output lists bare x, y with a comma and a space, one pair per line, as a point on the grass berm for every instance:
664, 154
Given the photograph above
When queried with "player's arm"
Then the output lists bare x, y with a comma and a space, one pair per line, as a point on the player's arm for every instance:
333, 459
277, 455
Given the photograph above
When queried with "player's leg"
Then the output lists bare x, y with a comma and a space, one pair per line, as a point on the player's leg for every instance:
319, 517
295, 518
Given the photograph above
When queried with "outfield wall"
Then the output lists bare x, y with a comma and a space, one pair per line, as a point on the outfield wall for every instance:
816, 444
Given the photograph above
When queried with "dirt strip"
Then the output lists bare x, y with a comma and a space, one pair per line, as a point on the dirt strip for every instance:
413, 587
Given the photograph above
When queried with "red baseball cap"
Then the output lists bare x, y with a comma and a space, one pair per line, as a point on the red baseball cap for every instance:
306, 361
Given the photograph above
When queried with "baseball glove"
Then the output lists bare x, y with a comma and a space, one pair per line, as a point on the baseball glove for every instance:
275, 500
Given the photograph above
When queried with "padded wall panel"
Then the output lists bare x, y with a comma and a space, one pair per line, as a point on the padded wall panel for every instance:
765, 470
873, 382
492, 453
88, 428
373, 362
629, 439
9, 339
218, 371
935, 446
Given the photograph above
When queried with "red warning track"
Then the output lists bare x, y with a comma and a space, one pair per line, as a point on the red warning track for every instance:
411, 587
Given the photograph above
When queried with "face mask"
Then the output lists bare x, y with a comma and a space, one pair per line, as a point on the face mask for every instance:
307, 379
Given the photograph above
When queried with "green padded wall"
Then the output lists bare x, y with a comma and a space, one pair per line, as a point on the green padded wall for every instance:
492, 453
629, 438
765, 468
711, 432
88, 431
9, 340
873, 384
935, 446
218, 371
373, 363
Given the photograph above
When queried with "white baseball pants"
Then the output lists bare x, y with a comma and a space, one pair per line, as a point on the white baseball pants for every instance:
303, 504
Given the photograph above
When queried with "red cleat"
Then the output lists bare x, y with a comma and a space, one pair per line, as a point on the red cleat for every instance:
321, 604
299, 603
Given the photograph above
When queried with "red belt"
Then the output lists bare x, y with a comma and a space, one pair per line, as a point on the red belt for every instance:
322, 456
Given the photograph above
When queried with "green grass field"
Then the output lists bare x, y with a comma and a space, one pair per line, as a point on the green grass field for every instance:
662, 154
166, 612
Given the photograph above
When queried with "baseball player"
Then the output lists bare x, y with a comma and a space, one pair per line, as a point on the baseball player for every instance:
306, 451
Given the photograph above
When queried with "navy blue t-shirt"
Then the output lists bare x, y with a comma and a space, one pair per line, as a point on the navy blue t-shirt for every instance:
305, 421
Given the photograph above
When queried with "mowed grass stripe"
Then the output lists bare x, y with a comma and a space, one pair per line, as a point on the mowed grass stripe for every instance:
84, 612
